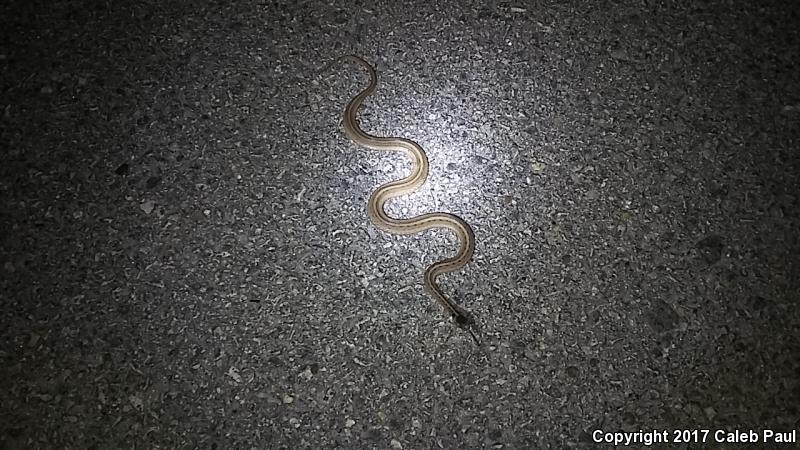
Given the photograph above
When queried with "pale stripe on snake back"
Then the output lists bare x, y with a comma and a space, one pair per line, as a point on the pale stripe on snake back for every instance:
419, 172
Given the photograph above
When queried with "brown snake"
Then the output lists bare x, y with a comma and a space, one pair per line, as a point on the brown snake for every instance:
419, 172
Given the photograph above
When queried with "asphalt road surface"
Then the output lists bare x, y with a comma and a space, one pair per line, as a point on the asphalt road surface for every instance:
186, 259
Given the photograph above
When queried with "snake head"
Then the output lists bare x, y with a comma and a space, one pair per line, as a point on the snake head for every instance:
463, 319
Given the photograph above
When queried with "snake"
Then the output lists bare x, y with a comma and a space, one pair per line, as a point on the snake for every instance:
405, 226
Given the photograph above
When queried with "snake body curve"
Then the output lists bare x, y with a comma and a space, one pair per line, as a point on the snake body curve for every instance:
417, 177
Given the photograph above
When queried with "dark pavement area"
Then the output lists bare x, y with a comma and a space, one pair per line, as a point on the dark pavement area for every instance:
186, 259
